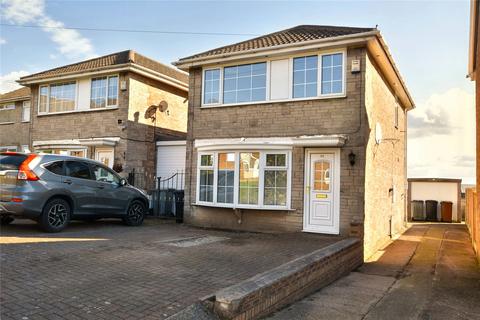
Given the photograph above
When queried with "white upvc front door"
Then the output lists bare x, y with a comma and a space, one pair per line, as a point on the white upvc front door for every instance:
105, 156
321, 212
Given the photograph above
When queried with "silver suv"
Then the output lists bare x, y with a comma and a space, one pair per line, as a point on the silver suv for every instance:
53, 189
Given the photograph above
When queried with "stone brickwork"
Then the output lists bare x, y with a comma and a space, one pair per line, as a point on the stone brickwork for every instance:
14, 132
261, 295
310, 117
377, 168
385, 170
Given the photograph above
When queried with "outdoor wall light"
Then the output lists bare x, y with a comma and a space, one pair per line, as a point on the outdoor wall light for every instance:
351, 158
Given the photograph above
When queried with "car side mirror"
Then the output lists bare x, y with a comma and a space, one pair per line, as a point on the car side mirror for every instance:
123, 182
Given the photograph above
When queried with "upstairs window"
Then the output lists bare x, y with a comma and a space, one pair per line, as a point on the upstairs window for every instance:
8, 106
245, 83
26, 111
211, 92
305, 73
104, 92
58, 97
332, 73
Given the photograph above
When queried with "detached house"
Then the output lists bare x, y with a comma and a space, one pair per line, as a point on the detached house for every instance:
15, 120
299, 130
113, 109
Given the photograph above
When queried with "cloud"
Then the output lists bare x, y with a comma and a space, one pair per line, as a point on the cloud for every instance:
69, 42
441, 134
7, 82
3, 41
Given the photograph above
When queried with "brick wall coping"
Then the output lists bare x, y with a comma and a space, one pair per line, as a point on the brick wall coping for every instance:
270, 290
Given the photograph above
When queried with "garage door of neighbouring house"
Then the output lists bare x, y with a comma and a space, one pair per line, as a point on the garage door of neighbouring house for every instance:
170, 158
322, 189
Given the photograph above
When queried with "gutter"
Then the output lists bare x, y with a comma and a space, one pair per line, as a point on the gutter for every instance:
276, 50
22, 98
472, 61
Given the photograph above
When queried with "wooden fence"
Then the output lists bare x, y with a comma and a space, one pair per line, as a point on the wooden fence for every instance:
472, 218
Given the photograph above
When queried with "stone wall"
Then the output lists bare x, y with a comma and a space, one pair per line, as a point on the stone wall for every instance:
294, 118
385, 167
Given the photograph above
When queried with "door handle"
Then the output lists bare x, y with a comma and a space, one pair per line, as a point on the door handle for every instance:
68, 181
101, 186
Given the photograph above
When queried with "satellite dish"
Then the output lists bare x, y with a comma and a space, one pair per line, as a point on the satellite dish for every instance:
163, 106
378, 133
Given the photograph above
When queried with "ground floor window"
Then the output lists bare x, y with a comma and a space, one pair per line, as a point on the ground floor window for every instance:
244, 179
82, 153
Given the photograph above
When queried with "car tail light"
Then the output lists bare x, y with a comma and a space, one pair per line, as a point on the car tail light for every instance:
24, 171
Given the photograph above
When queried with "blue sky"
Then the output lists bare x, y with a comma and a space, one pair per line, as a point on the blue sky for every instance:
428, 40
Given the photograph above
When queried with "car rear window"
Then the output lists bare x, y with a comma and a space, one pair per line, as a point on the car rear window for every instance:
11, 161
76, 169
55, 167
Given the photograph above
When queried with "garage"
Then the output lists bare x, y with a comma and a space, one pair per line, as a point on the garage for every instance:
428, 194
170, 158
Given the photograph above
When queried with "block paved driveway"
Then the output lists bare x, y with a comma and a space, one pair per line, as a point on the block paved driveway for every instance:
104, 270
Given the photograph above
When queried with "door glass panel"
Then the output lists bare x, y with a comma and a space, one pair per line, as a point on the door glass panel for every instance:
321, 176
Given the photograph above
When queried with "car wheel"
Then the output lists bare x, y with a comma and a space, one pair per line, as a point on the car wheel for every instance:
135, 214
55, 216
6, 220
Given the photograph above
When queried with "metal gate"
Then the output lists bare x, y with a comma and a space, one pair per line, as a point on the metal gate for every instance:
167, 197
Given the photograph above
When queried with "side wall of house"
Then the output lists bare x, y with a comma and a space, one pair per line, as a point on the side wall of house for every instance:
143, 129
385, 170
14, 132
293, 118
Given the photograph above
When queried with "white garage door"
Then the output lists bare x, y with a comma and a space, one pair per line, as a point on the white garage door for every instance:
170, 158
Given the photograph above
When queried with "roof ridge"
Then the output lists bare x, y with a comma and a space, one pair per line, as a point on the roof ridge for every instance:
291, 34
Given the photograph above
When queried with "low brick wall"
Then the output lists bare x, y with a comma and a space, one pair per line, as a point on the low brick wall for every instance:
472, 218
274, 289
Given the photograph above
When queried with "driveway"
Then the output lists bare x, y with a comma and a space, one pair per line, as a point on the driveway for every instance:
430, 272
105, 270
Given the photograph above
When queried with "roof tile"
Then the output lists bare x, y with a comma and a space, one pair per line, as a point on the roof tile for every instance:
15, 94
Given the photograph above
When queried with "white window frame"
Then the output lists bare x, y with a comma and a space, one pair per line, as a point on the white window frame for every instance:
262, 168
106, 92
8, 148
48, 98
7, 106
29, 111
290, 79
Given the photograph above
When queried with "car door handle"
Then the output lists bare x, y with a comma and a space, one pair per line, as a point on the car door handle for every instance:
101, 187
68, 181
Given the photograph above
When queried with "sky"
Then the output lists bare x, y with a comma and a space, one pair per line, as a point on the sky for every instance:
428, 40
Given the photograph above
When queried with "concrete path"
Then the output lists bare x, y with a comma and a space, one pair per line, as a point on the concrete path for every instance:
430, 272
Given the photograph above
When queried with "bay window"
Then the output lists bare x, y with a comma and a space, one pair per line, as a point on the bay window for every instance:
244, 179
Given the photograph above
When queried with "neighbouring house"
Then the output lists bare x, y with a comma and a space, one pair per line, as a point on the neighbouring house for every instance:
15, 120
298, 130
472, 198
113, 109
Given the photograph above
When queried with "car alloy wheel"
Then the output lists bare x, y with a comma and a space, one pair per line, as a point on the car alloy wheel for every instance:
57, 215
135, 212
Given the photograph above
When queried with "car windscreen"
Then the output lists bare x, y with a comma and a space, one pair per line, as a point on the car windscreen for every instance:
11, 161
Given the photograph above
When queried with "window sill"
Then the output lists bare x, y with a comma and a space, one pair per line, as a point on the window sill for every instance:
212, 205
2, 123
335, 96
43, 114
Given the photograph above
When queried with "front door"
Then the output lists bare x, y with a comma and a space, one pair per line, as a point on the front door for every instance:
322, 186
104, 156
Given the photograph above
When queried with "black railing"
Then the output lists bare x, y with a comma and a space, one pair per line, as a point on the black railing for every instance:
167, 197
